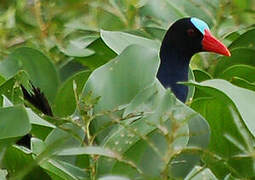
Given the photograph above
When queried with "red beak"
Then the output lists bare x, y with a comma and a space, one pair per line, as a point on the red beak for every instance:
211, 44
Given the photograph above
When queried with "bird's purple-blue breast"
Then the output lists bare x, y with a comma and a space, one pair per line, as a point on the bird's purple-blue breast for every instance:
199, 24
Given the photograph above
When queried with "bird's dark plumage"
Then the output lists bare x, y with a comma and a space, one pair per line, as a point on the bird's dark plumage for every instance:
37, 99
184, 38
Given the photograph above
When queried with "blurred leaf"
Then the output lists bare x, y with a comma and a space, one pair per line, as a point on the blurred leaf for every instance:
245, 72
109, 21
243, 83
118, 41
159, 11
245, 40
201, 75
157, 33
113, 178
239, 56
3, 174
241, 4
76, 51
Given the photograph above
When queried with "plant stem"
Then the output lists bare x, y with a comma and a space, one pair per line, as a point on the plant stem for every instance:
39, 19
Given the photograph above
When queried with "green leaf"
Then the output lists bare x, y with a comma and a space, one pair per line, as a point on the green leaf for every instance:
245, 40
243, 83
64, 170
112, 82
239, 56
36, 120
109, 21
118, 41
78, 47
37, 146
245, 72
89, 150
201, 75
69, 135
228, 134
76, 51
165, 14
243, 99
155, 32
113, 178
14, 122
11, 90
65, 102
102, 55
191, 92
39, 68
200, 173
21, 165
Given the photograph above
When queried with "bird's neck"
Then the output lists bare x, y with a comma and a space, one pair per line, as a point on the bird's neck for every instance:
174, 68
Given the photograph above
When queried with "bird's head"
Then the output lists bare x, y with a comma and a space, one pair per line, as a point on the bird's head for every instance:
192, 35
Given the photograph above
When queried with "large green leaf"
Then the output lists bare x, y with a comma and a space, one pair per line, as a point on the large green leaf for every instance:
117, 82
243, 99
229, 136
39, 68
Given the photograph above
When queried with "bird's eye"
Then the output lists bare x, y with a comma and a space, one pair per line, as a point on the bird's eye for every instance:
191, 32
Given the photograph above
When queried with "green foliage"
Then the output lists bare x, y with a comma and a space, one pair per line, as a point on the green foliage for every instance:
96, 62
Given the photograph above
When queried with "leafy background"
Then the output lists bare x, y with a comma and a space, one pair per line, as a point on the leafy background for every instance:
96, 61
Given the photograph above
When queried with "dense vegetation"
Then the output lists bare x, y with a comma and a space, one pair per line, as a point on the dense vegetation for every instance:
96, 61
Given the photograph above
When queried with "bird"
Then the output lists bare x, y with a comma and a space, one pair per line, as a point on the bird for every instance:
184, 38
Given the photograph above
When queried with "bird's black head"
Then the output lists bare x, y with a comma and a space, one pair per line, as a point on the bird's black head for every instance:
184, 38
190, 36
